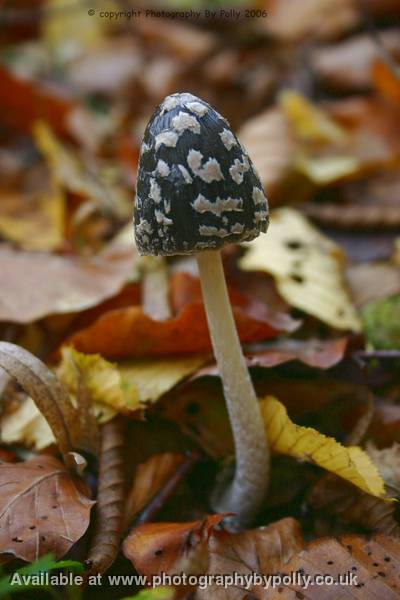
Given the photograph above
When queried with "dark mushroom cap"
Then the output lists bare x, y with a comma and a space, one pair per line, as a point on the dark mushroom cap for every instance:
197, 187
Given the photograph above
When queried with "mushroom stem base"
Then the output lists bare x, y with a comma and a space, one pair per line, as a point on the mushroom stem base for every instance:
245, 494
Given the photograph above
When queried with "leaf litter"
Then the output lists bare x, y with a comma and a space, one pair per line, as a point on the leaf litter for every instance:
314, 98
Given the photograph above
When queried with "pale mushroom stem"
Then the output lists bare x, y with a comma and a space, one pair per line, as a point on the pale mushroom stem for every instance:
245, 494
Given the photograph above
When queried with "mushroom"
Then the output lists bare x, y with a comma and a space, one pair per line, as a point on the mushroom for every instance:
197, 191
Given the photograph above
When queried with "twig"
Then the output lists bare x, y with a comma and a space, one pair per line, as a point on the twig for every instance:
363, 423
110, 498
167, 490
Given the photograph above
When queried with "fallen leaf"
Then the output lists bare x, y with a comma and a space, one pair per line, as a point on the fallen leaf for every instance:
320, 354
68, 33
34, 223
71, 174
386, 79
149, 477
319, 19
26, 425
111, 67
43, 509
124, 387
386, 278
102, 379
332, 496
35, 285
387, 461
348, 65
24, 100
307, 267
270, 143
256, 563
305, 443
129, 332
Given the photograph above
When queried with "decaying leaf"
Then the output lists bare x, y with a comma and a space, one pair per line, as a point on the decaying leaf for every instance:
307, 267
128, 386
26, 425
320, 354
129, 332
149, 477
34, 222
42, 508
348, 65
386, 278
72, 175
355, 567
271, 145
34, 285
387, 461
305, 443
26, 100
336, 497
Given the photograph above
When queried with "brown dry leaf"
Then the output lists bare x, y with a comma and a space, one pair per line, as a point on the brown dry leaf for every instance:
356, 567
110, 68
336, 497
35, 285
205, 547
33, 222
149, 478
271, 145
307, 267
348, 65
42, 508
320, 19
385, 278
387, 461
320, 354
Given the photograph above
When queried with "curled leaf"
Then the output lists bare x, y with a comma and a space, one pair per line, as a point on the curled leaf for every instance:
48, 394
305, 443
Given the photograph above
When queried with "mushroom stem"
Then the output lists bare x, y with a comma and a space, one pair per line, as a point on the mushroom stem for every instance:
247, 491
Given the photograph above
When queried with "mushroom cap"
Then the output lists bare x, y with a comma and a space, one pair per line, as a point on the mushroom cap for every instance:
197, 188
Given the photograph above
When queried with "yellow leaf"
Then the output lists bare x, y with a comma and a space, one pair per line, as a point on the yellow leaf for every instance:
34, 223
307, 267
26, 425
323, 147
352, 463
99, 186
68, 28
327, 169
309, 122
126, 386
102, 379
